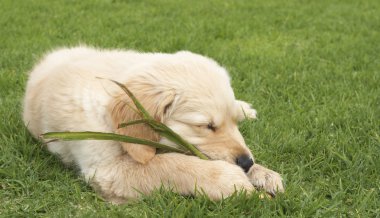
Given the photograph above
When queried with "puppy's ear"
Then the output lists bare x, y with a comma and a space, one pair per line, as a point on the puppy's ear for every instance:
121, 108
245, 111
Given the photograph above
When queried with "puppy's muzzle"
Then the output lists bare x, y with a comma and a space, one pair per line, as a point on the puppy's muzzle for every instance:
245, 162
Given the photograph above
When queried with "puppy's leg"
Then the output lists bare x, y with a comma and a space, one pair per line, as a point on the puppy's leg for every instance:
266, 179
125, 178
245, 110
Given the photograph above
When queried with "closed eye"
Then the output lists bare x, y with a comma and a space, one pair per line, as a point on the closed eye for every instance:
211, 126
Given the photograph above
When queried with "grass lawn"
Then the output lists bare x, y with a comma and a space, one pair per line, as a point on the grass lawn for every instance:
310, 68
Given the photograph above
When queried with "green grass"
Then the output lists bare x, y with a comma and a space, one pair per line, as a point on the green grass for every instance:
310, 68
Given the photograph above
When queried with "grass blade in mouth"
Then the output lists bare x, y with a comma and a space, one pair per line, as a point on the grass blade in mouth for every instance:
146, 118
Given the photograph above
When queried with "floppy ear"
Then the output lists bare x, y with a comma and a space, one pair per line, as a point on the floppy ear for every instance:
245, 111
121, 108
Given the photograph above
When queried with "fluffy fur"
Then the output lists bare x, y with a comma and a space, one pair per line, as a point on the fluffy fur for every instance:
188, 92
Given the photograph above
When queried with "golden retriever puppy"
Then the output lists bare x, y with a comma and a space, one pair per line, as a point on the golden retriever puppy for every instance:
188, 92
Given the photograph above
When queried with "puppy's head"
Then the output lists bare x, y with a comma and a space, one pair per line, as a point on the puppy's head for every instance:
193, 96
206, 112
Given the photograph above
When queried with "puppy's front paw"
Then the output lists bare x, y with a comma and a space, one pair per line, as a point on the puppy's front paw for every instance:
266, 179
224, 179
246, 110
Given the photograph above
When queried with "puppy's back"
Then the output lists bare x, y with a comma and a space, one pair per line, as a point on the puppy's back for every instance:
63, 92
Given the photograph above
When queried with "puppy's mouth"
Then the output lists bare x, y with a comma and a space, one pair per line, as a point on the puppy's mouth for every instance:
244, 161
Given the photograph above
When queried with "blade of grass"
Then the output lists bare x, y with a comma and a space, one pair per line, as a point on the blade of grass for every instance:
138, 105
69, 136
122, 125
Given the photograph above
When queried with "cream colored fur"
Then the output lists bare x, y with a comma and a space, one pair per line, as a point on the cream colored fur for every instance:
186, 91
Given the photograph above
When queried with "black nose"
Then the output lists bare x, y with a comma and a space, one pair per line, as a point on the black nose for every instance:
245, 162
